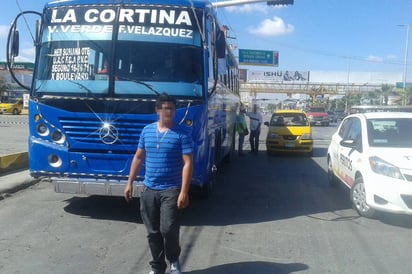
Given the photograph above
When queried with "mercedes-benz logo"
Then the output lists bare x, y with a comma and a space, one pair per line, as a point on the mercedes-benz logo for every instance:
108, 134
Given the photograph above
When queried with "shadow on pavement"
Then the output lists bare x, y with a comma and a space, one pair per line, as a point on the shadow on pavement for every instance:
107, 208
261, 189
252, 268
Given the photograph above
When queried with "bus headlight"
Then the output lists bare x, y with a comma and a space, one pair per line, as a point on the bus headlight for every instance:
54, 160
42, 129
58, 137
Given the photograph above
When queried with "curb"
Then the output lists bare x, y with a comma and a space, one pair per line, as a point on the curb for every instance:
14, 174
13, 162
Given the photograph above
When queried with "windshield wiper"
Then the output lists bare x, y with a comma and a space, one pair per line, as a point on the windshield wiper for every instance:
88, 91
144, 84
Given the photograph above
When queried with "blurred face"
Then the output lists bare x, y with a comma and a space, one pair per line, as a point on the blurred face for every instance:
166, 112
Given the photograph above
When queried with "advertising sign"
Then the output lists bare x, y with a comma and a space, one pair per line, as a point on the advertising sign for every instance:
277, 76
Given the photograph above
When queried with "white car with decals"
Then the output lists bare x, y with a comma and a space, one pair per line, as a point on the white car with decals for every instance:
371, 153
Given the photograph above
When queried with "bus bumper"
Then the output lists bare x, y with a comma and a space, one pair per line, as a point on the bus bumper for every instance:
94, 187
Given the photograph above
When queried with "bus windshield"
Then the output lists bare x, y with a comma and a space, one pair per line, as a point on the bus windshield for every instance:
120, 52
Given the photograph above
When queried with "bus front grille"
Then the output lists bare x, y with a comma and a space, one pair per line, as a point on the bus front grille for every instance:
96, 131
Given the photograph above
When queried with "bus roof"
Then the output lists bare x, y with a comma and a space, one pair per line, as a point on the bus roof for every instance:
196, 3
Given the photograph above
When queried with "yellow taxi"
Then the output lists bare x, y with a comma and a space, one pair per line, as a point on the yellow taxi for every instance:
289, 131
13, 106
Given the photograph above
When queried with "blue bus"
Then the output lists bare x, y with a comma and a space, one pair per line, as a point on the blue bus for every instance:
99, 67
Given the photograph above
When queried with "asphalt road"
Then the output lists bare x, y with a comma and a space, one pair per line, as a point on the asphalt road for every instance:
267, 215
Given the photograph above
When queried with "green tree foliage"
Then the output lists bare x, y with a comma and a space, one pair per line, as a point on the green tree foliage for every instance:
376, 97
408, 94
4, 86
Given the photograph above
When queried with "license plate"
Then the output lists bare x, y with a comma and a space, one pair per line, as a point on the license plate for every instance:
289, 145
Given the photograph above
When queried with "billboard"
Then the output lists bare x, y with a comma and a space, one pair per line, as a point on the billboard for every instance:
277, 76
258, 57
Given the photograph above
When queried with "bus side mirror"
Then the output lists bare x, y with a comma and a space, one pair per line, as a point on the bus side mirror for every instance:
14, 49
38, 29
221, 44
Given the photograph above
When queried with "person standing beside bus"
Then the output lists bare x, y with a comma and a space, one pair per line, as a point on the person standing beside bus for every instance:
241, 128
166, 151
256, 121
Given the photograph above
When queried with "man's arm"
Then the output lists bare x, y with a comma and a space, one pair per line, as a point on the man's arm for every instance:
137, 162
260, 119
183, 199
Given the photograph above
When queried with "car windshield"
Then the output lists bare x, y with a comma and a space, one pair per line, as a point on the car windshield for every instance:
288, 119
390, 132
316, 109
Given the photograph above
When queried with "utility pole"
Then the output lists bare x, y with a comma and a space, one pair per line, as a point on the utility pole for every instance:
405, 67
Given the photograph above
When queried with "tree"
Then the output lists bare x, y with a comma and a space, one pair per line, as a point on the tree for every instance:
4, 86
408, 94
386, 91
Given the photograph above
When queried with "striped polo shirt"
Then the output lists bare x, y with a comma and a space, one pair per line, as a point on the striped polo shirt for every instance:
164, 150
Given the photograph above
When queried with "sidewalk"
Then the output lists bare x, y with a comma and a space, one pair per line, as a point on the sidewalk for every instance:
14, 182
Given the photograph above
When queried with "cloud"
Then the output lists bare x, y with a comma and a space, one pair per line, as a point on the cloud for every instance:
27, 55
4, 31
272, 27
376, 59
248, 8
391, 57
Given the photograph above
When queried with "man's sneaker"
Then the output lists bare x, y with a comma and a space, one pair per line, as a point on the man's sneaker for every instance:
153, 272
175, 268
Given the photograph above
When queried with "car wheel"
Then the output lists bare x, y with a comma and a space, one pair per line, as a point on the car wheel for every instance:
15, 111
333, 181
358, 198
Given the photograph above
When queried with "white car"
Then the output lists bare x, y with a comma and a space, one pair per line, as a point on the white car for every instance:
371, 153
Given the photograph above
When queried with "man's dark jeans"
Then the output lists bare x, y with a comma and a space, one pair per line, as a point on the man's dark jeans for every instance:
160, 215
254, 140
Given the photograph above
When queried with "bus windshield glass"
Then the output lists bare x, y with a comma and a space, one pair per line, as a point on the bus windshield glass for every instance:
120, 52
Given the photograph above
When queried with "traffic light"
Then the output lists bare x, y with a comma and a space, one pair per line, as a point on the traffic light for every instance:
279, 2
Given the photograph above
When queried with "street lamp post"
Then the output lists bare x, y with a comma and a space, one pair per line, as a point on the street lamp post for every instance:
405, 68
347, 90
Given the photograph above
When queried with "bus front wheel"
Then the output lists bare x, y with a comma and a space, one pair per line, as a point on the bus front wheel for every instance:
207, 188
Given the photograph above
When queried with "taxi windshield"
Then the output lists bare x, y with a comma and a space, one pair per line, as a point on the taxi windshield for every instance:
390, 132
288, 119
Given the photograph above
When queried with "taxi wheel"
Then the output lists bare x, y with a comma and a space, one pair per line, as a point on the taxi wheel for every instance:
358, 198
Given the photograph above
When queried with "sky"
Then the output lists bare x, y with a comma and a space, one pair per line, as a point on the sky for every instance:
310, 35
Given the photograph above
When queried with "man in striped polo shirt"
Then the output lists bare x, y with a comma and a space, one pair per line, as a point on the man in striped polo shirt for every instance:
166, 151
